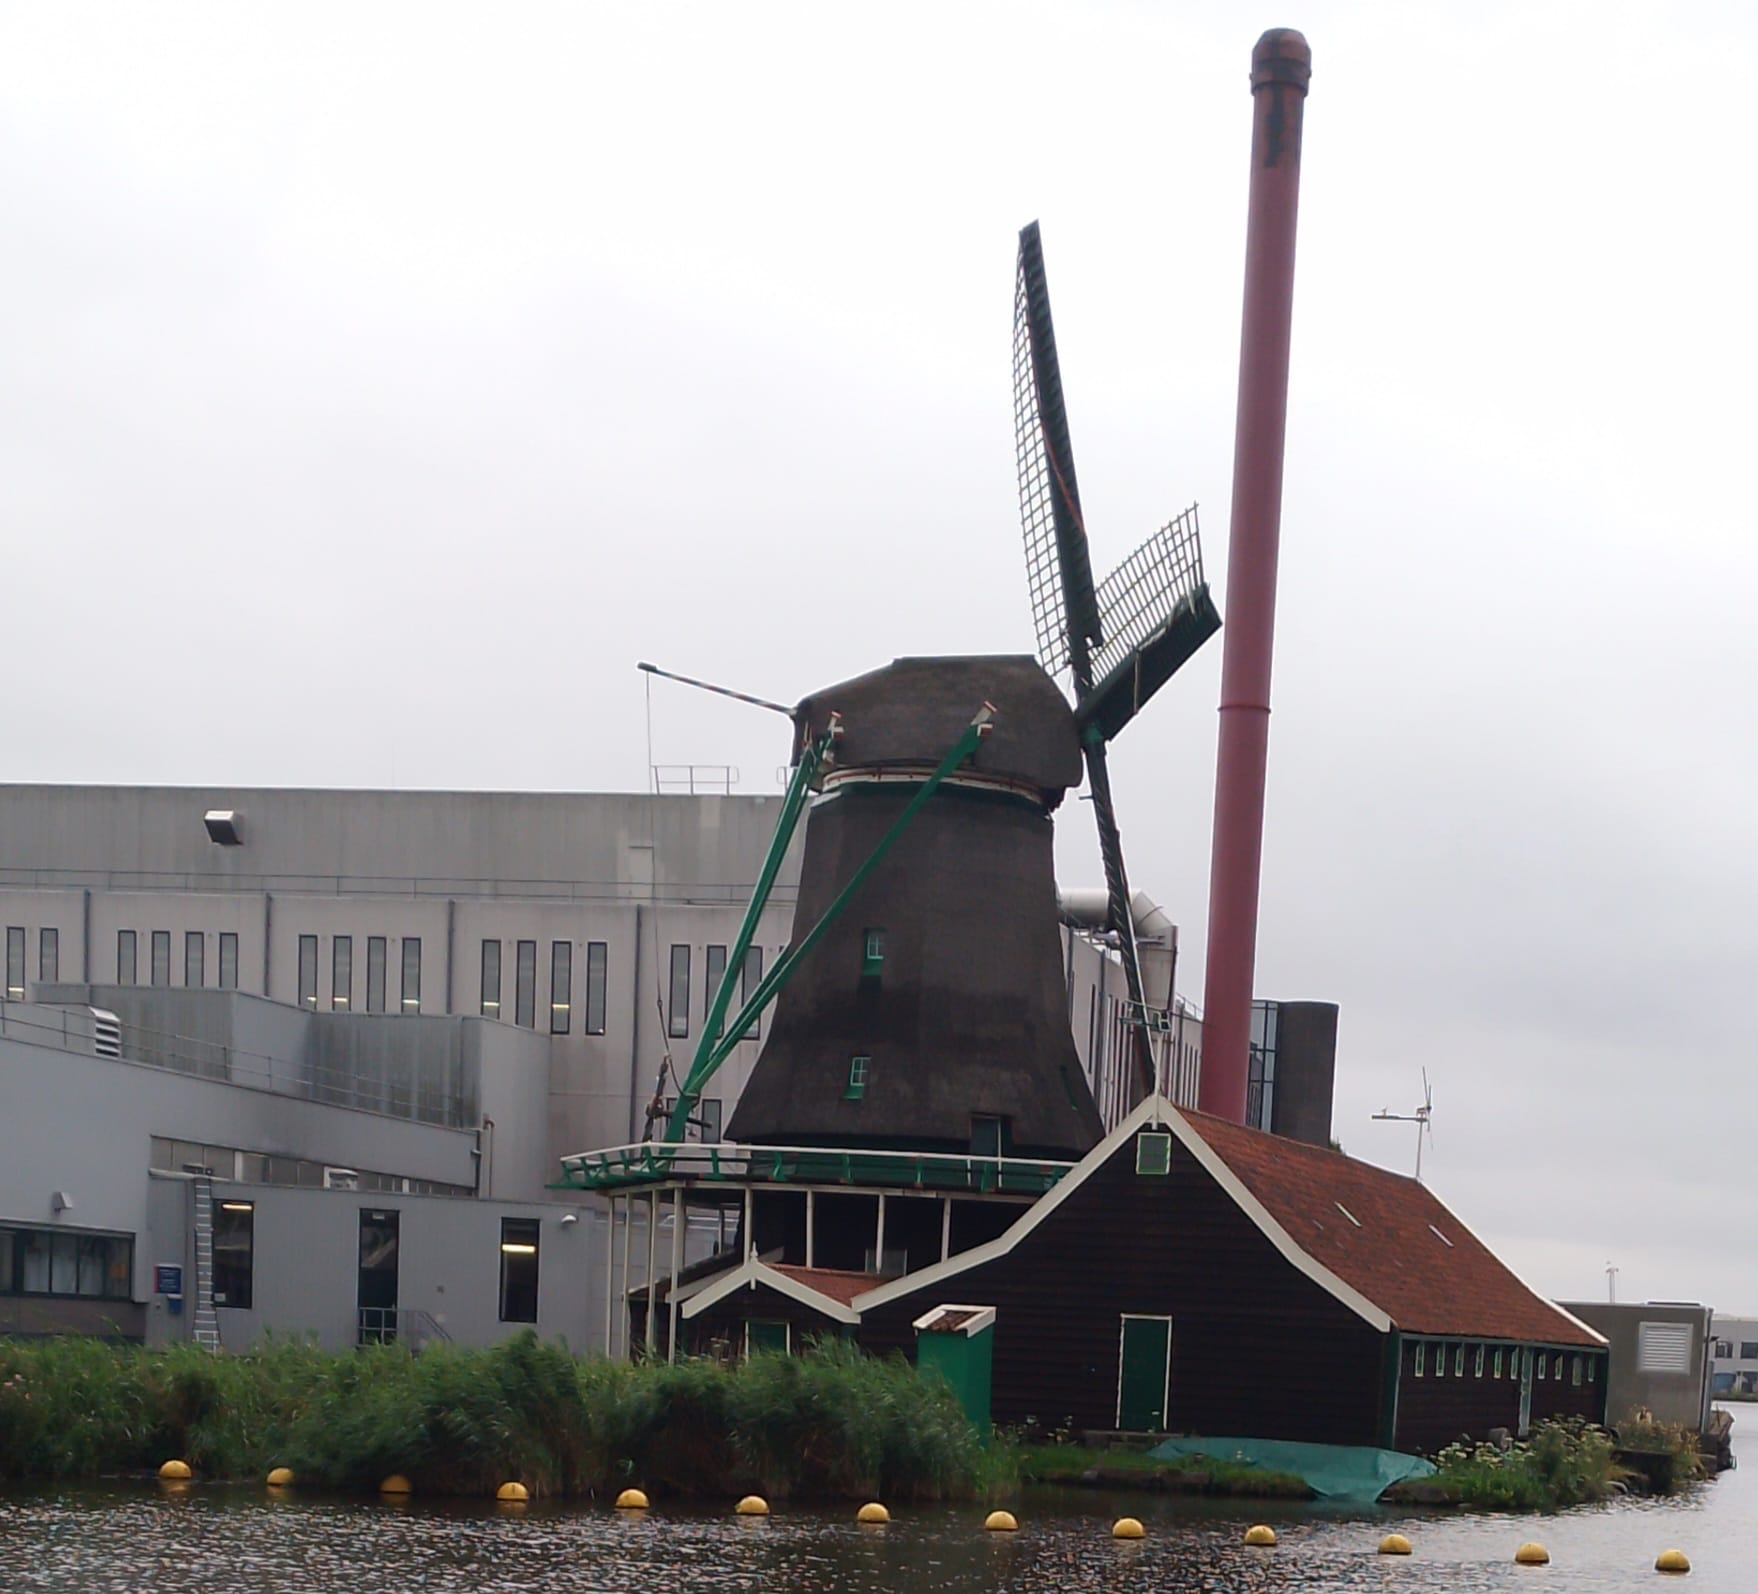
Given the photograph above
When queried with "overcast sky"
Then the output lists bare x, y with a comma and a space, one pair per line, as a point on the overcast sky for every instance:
380, 383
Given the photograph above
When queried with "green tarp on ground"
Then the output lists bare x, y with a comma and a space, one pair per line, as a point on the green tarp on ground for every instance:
1333, 1472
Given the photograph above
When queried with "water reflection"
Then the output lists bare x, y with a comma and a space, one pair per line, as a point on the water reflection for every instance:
212, 1540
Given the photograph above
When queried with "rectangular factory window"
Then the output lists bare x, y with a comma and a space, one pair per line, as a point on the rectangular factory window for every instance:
1543, 1361
234, 1253
49, 956
597, 963
308, 971
857, 1078
519, 1270
341, 973
411, 974
195, 959
1498, 1363
1478, 1370
678, 1008
1592, 1362
872, 953
561, 987
15, 962
1575, 1370
161, 957
713, 972
525, 985
228, 960
491, 979
1420, 1357
1458, 1361
750, 977
375, 974
1558, 1369
127, 971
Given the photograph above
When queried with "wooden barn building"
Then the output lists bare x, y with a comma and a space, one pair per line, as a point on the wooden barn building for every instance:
1188, 1275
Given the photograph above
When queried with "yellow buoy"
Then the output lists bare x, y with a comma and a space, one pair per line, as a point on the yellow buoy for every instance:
753, 1505
631, 1500
396, 1484
1532, 1553
175, 1471
279, 1477
1394, 1544
1672, 1561
516, 1493
1260, 1533
1128, 1528
872, 1512
1001, 1522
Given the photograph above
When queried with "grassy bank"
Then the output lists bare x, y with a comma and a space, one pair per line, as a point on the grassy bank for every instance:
833, 1423
1136, 1469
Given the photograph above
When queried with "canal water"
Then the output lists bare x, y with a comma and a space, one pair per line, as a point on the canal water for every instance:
233, 1540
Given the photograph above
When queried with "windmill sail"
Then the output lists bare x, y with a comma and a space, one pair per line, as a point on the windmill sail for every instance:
1059, 572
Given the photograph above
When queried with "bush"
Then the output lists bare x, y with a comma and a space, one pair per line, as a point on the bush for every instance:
1669, 1453
462, 1421
1565, 1462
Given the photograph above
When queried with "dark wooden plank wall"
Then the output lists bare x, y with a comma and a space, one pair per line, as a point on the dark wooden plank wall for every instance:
1257, 1348
1434, 1411
1563, 1397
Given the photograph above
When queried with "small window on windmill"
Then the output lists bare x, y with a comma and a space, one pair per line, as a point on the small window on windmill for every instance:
857, 1078
1153, 1152
872, 955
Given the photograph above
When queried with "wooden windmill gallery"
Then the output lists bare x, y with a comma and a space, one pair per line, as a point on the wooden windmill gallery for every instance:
917, 1162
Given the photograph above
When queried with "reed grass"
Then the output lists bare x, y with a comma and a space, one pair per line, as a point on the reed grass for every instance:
834, 1422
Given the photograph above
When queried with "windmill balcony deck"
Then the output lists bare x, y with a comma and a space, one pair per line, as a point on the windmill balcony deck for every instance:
650, 1164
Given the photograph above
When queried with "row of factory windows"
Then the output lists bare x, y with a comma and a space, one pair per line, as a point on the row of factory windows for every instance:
1450, 1359
264, 1167
1724, 1350
97, 1267
234, 1265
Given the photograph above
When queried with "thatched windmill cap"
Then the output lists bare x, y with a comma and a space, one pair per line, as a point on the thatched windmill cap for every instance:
911, 711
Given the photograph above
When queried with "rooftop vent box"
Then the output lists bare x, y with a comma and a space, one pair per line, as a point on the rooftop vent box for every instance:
225, 826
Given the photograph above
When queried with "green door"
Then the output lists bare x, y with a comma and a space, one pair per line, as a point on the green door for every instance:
1142, 1377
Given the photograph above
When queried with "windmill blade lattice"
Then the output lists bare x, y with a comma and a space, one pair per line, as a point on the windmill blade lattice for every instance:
1120, 642
1059, 572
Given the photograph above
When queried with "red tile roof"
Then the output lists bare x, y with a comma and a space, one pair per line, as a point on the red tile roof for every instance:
1405, 1252
840, 1286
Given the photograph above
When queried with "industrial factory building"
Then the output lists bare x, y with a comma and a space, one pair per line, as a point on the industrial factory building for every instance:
357, 1031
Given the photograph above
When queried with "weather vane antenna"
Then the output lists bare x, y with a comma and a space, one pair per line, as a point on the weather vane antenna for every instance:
1421, 1118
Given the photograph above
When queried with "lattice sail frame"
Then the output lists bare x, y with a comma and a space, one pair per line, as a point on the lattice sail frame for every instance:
1065, 621
1143, 595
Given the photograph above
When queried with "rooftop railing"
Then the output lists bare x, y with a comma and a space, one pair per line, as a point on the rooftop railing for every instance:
643, 1163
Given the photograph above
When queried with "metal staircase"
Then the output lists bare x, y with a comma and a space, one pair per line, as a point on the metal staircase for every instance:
206, 1323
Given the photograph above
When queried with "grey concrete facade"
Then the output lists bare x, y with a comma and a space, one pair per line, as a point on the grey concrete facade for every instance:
251, 1047
1658, 1361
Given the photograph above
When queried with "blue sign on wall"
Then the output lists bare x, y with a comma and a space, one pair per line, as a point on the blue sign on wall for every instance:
168, 1278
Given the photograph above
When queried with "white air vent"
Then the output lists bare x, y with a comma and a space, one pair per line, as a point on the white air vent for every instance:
106, 1033
341, 1179
1663, 1347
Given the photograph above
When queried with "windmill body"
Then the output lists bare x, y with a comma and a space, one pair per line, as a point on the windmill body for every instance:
933, 1014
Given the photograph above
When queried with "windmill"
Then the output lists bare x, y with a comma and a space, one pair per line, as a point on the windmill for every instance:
1421, 1118
1119, 641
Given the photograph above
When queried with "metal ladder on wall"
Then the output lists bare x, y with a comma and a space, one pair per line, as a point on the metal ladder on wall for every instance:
206, 1323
